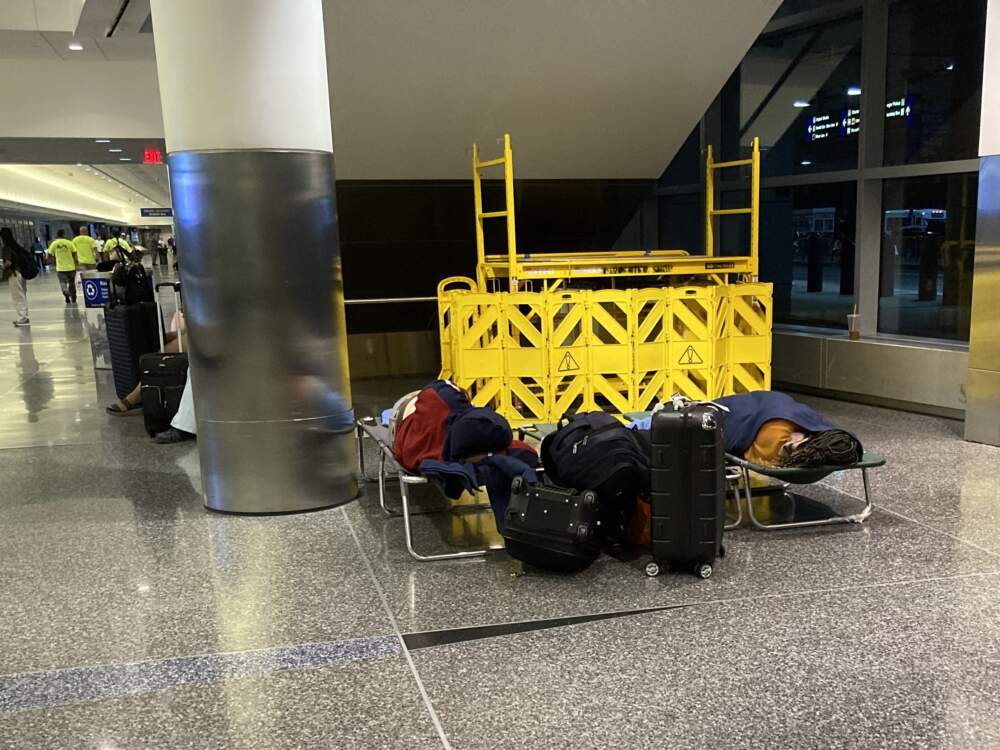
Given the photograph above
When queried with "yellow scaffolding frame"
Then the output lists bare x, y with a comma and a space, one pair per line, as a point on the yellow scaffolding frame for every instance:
711, 167
507, 161
554, 268
535, 355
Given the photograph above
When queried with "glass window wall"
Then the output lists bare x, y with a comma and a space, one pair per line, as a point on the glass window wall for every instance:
807, 251
934, 75
928, 242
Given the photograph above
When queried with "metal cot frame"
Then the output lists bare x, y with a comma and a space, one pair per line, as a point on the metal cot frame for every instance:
366, 430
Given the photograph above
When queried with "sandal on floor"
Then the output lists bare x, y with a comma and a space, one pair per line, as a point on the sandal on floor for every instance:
122, 408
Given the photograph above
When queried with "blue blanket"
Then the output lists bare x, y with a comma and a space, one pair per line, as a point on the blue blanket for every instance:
749, 411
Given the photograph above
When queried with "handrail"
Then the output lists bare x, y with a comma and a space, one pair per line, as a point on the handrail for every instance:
388, 300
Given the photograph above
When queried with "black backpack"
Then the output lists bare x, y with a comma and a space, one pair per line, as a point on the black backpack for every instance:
25, 263
594, 451
131, 284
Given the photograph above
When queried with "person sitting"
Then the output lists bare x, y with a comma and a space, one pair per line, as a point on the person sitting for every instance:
183, 426
132, 403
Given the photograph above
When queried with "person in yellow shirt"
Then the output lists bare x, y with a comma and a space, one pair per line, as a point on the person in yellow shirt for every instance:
64, 252
86, 249
120, 246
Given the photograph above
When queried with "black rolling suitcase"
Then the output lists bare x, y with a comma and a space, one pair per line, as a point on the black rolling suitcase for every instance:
131, 333
552, 527
688, 487
163, 377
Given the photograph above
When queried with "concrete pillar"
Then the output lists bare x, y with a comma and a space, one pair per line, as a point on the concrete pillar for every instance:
982, 413
246, 116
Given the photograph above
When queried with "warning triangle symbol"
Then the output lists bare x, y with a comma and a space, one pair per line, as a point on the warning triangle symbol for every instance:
690, 357
568, 364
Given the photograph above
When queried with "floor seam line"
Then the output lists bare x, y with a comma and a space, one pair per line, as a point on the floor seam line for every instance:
896, 513
435, 719
610, 614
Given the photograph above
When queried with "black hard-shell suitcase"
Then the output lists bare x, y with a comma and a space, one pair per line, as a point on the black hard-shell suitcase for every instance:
163, 376
688, 488
132, 332
552, 527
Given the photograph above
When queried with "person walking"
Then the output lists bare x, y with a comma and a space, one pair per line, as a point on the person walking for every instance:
86, 249
64, 252
17, 272
39, 251
122, 247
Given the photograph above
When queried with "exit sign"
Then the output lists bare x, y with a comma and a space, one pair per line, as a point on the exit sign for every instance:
152, 156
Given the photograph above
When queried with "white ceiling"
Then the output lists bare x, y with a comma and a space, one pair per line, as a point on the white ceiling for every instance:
587, 88
34, 15
54, 45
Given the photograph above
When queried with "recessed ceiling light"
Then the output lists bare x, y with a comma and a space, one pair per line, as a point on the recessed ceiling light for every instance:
854, 91
949, 66
102, 140
75, 46
800, 104
805, 163
114, 150
124, 158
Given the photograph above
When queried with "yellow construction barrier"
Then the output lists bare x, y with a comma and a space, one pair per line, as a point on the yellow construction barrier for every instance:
538, 355
535, 356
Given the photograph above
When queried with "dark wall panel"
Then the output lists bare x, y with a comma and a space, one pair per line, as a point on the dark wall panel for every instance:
400, 238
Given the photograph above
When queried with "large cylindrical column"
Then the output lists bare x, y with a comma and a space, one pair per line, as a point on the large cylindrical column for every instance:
247, 121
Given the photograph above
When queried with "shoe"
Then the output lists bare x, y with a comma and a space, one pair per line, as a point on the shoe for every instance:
122, 408
173, 435
22, 322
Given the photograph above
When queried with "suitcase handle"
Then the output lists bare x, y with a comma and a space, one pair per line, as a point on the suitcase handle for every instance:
176, 286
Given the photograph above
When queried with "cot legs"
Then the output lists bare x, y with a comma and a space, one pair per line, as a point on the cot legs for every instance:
853, 518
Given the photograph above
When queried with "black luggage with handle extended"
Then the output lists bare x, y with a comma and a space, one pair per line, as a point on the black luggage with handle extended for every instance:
132, 332
688, 487
163, 375
552, 527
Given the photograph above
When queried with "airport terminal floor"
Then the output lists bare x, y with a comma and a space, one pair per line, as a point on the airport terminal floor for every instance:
131, 617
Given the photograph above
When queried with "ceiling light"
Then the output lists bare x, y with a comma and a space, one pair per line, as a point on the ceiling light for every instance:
75, 46
102, 140
805, 163
854, 91
114, 150
950, 66
124, 158
800, 104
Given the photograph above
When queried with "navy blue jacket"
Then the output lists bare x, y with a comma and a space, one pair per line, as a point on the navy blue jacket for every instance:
749, 411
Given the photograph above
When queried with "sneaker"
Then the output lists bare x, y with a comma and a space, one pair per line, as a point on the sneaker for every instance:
173, 435
22, 322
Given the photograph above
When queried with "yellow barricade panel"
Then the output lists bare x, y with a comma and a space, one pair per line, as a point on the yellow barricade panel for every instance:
536, 356
748, 334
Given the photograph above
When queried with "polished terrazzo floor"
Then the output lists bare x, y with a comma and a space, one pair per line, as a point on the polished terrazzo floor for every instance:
132, 618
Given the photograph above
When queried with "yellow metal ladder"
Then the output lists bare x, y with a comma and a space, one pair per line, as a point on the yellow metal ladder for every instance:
711, 166
507, 160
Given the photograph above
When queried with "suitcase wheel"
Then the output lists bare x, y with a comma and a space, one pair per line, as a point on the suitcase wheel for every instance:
703, 571
652, 569
583, 532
